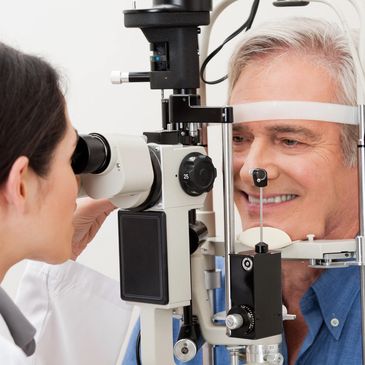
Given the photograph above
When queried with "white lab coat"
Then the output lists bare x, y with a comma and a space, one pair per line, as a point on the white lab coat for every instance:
79, 317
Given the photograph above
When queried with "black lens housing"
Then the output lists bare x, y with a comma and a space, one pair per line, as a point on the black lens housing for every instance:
92, 154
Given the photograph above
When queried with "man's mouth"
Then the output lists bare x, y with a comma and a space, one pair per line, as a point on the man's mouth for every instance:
272, 199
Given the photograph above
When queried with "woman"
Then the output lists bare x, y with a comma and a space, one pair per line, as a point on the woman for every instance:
38, 189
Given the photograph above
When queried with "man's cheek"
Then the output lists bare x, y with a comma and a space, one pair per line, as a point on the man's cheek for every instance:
237, 165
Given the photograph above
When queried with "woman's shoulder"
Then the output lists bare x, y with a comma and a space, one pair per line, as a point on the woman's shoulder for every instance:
10, 354
4, 330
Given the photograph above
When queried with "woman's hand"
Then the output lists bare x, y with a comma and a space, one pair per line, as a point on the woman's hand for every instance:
88, 218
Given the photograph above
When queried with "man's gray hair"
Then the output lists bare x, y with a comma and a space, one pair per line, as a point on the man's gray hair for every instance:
322, 42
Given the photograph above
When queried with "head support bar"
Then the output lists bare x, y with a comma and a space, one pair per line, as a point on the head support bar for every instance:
304, 110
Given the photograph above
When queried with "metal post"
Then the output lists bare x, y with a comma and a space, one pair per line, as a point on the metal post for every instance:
208, 349
361, 238
362, 276
208, 354
264, 354
229, 232
261, 214
234, 354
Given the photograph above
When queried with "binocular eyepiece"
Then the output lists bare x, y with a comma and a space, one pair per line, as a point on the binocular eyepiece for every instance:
92, 154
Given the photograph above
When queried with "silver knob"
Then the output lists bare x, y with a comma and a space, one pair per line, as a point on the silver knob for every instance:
185, 350
118, 77
234, 321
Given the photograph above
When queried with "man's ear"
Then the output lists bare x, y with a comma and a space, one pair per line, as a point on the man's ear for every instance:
16, 187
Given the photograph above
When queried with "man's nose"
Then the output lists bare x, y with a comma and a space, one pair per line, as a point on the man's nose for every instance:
260, 155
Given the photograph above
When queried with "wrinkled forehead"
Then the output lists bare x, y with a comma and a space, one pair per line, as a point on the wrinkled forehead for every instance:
295, 110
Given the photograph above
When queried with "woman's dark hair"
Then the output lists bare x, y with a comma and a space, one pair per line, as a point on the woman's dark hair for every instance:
32, 111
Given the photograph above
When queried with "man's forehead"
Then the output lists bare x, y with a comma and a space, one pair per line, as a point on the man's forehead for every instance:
286, 76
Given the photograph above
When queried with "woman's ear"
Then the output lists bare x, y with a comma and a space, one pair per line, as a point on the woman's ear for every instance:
16, 187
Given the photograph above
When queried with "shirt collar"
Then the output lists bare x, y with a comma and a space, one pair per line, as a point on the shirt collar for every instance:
335, 291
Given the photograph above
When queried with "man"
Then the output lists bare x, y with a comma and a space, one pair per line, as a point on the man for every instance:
312, 177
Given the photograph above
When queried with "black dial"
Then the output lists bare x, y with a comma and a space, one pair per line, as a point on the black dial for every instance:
248, 319
247, 323
197, 174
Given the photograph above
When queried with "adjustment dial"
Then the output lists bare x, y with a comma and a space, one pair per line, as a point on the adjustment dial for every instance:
197, 174
241, 317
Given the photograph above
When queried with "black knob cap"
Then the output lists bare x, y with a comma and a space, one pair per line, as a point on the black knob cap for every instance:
259, 177
261, 247
197, 174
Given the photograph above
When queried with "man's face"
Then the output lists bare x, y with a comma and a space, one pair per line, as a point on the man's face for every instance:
309, 190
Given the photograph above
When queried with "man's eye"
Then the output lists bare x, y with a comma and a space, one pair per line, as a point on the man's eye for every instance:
239, 139
290, 142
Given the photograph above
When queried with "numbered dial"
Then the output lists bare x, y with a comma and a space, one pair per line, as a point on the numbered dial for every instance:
197, 174
241, 317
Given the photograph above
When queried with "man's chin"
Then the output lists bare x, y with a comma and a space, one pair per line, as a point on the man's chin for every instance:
252, 223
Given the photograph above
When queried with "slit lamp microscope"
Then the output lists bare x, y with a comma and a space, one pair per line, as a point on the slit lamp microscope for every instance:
166, 219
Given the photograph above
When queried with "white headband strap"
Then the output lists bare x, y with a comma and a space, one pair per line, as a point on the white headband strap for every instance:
306, 110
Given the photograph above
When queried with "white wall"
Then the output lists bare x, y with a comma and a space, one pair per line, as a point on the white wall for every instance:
86, 40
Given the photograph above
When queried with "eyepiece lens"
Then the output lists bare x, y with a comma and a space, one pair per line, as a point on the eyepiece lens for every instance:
92, 154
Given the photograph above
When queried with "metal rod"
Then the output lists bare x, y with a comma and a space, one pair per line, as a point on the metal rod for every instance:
234, 355
261, 215
363, 310
228, 205
361, 167
360, 239
208, 349
208, 354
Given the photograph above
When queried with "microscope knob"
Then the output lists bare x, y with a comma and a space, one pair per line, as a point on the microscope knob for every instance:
241, 317
185, 349
197, 174
234, 321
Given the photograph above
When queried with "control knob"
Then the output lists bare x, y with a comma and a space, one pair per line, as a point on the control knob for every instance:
197, 174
